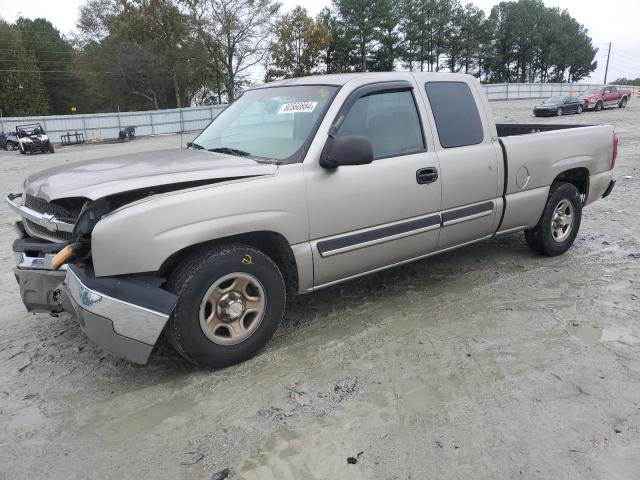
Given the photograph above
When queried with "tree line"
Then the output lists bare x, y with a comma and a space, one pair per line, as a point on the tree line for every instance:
150, 54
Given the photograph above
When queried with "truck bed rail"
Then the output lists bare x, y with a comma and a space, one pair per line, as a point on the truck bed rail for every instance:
511, 129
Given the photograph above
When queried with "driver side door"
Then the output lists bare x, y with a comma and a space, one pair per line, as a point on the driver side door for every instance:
367, 217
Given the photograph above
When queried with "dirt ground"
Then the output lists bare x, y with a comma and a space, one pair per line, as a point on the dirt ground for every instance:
488, 362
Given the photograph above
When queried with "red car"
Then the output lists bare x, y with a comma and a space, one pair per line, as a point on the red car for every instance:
609, 96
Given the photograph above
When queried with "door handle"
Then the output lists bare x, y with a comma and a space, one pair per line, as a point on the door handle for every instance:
426, 175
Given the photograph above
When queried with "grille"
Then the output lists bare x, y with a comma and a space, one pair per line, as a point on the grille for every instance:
60, 212
43, 232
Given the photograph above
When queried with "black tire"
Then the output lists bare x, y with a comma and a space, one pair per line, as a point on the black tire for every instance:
623, 102
579, 111
598, 106
192, 280
559, 112
51, 149
10, 146
541, 238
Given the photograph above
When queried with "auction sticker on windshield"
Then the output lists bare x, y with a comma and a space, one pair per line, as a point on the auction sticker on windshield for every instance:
297, 107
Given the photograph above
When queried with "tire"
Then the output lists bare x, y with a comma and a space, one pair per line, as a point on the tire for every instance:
579, 111
598, 106
559, 112
623, 102
22, 150
548, 237
9, 146
51, 149
218, 273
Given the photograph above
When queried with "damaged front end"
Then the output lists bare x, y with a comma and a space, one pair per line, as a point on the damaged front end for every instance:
124, 314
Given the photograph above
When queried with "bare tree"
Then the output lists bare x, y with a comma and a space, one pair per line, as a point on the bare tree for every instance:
236, 33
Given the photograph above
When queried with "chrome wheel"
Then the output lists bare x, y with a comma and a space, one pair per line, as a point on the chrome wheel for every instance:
580, 109
562, 220
559, 112
232, 308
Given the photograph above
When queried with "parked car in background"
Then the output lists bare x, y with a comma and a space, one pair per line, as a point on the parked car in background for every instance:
601, 97
8, 141
313, 181
558, 105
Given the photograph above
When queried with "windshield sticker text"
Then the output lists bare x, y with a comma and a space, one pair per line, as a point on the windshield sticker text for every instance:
297, 107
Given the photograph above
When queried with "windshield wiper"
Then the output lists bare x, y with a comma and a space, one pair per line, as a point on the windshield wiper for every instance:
195, 145
230, 151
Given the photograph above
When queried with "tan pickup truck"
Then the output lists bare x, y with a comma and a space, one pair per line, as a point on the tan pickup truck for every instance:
298, 185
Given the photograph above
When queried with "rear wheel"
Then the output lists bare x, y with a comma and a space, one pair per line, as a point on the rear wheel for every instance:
598, 106
557, 229
623, 102
10, 146
231, 301
559, 112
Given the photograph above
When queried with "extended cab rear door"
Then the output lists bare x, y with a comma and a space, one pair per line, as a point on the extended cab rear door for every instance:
470, 159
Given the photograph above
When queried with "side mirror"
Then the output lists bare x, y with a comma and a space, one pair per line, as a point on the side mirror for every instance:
348, 150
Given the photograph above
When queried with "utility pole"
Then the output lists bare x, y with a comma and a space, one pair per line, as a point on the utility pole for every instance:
606, 70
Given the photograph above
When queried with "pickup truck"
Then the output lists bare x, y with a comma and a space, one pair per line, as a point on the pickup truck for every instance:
609, 96
298, 185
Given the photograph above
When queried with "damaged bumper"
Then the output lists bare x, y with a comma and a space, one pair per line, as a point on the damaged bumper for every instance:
124, 315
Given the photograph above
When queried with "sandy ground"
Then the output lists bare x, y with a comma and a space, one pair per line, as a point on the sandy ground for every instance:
488, 362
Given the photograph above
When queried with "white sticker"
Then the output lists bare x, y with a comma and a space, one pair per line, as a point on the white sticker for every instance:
297, 107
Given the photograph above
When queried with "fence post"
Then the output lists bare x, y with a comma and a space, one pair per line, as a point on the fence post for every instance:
153, 132
507, 90
181, 122
84, 128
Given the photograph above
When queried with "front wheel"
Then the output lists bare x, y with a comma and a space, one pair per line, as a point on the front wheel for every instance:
598, 106
51, 149
580, 109
559, 112
22, 150
9, 146
557, 229
231, 301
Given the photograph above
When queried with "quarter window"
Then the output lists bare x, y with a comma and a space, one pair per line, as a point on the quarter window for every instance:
456, 114
389, 120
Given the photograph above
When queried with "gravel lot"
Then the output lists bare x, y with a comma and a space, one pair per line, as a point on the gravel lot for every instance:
487, 362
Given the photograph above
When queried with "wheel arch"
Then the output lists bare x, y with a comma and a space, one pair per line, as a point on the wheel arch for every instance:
271, 243
579, 177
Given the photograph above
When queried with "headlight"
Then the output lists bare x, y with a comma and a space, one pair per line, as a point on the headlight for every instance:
89, 216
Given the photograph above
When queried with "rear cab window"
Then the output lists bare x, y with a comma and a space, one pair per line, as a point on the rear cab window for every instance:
455, 113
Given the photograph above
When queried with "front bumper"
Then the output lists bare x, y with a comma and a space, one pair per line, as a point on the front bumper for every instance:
125, 315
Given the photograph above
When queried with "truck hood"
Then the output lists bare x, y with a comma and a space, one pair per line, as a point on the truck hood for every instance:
99, 178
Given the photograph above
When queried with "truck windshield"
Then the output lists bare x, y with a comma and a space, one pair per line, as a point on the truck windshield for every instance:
268, 123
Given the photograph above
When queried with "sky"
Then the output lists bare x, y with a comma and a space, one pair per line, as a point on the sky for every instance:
615, 21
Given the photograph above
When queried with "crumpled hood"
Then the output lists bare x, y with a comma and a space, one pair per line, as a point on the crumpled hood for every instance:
95, 179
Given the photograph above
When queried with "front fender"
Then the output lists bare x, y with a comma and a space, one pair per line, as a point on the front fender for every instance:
140, 237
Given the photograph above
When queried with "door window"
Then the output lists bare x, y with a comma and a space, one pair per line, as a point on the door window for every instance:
456, 114
389, 120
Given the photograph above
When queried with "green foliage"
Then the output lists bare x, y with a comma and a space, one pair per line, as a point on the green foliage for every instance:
148, 54
22, 90
627, 81
299, 42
